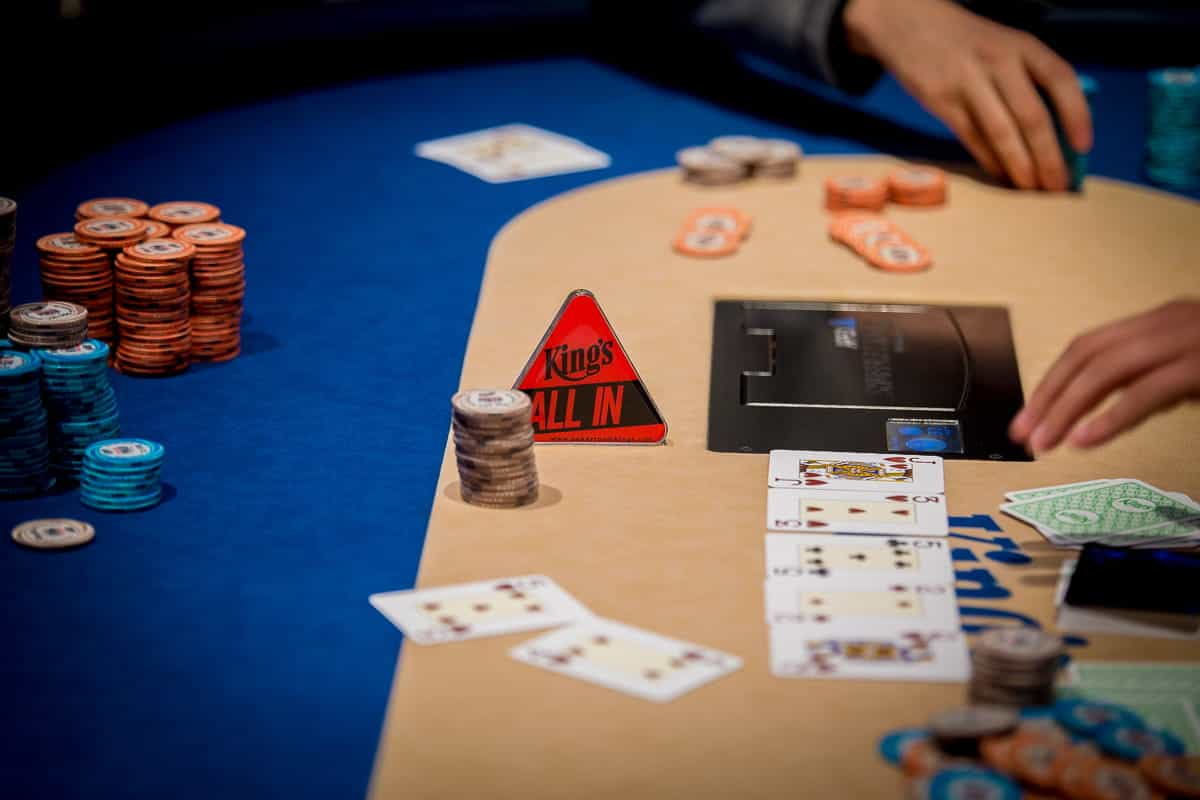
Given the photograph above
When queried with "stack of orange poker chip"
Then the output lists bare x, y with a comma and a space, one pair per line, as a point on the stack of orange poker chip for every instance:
1174, 776
153, 298
855, 192
218, 289
917, 186
184, 212
880, 242
111, 233
157, 230
712, 232
111, 207
81, 274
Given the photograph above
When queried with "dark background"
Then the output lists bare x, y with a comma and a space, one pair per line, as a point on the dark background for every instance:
82, 74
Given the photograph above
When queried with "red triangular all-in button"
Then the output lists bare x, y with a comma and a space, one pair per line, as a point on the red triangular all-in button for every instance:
583, 385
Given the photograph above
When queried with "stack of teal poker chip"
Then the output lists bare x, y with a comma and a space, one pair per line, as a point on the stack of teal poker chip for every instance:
80, 402
1173, 135
24, 443
122, 475
1075, 161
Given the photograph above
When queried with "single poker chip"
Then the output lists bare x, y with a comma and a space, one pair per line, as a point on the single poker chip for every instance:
720, 220
492, 403
997, 753
1087, 717
1177, 777
893, 256
917, 186
1033, 759
1132, 742
115, 232
894, 743
184, 212
210, 234
848, 192
976, 783
53, 534
1109, 780
111, 207
706, 244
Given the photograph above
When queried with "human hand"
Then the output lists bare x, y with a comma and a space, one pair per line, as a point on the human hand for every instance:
1152, 359
981, 79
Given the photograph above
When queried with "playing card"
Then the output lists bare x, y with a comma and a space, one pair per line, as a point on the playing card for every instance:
1046, 491
856, 471
1120, 513
627, 659
878, 512
473, 610
891, 651
513, 153
860, 600
829, 557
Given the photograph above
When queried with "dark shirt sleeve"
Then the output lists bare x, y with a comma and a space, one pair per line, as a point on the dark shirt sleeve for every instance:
805, 34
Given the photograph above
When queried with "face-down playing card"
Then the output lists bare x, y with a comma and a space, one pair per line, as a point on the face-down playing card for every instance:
627, 659
878, 651
473, 610
829, 557
893, 512
855, 472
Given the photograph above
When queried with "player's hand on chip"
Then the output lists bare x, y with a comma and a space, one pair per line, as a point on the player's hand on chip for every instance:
1151, 361
982, 80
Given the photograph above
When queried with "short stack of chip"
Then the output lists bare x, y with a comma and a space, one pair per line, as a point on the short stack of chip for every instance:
855, 193
1015, 667
153, 302
712, 232
218, 289
110, 207
80, 402
82, 274
122, 475
51, 324
730, 159
880, 242
8, 239
24, 444
917, 186
493, 442
1173, 137
178, 213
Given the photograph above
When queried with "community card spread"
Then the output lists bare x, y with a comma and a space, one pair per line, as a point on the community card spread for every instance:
860, 601
513, 153
879, 651
855, 471
474, 610
875, 512
832, 557
627, 659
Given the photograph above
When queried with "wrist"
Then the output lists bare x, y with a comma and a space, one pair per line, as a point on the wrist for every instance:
858, 18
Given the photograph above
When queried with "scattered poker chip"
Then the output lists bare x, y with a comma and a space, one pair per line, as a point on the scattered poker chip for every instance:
702, 166
958, 731
894, 743
1173, 135
111, 207
218, 289
184, 212
80, 402
880, 242
24, 439
706, 244
82, 274
959, 782
855, 192
1177, 777
894, 256
53, 534
122, 475
153, 308
493, 442
54, 323
1132, 742
1087, 717
1015, 667
917, 186
723, 220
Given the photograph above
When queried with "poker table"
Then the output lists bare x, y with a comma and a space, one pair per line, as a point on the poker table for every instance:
222, 642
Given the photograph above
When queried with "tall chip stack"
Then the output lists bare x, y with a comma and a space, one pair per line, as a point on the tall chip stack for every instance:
153, 291
80, 402
218, 289
24, 444
1015, 667
493, 443
8, 239
82, 274
1173, 132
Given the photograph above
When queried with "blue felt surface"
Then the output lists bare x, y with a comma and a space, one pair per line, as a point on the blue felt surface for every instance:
221, 644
